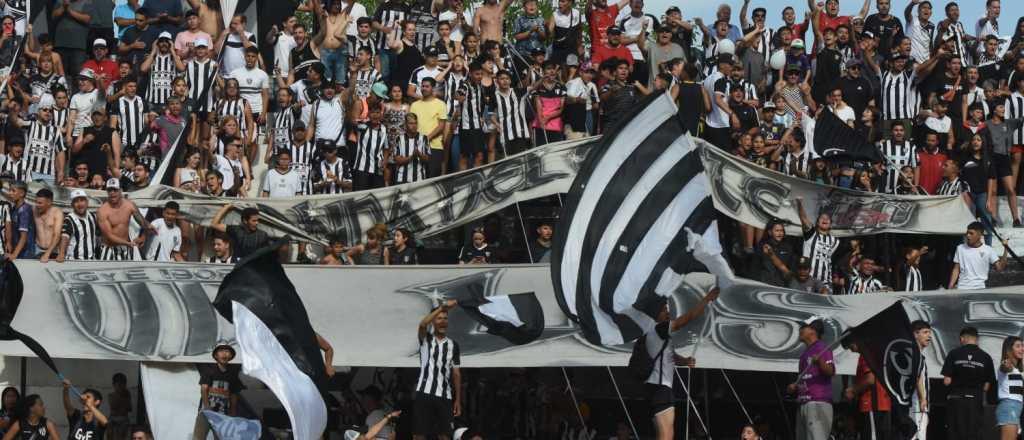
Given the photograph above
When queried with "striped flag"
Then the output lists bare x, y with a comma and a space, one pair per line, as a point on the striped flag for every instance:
518, 317
639, 216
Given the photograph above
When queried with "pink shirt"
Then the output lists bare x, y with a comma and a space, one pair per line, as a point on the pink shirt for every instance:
185, 38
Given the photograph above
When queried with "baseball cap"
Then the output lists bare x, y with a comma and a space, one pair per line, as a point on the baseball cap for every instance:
572, 60
854, 62
165, 36
87, 73
99, 42
113, 183
78, 192
793, 67
769, 104
614, 30
867, 34
380, 89
538, 51
430, 52
672, 9
797, 43
201, 42
46, 101
726, 58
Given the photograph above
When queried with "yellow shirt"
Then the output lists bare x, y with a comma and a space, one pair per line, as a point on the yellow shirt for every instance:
429, 114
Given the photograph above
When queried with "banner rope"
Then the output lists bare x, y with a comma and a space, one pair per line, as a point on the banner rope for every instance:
575, 402
693, 405
737, 396
623, 401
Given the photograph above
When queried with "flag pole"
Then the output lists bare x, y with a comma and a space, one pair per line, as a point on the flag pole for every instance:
693, 405
575, 402
1007, 246
737, 396
623, 401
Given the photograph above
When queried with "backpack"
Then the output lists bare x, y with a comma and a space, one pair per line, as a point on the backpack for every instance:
641, 365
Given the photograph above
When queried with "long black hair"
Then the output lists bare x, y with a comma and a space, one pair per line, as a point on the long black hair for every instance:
3, 398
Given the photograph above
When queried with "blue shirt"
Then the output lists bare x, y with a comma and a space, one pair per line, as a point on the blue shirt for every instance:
123, 10
24, 221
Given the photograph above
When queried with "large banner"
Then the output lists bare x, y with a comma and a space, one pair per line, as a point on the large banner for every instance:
161, 312
754, 195
425, 208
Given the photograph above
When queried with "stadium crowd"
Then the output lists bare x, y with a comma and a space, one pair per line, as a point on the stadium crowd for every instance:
347, 97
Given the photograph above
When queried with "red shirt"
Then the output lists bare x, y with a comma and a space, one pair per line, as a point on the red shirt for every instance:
871, 396
107, 67
604, 53
600, 20
930, 167
833, 22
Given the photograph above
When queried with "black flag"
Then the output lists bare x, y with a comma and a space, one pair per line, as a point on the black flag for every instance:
518, 317
260, 284
10, 297
832, 137
887, 344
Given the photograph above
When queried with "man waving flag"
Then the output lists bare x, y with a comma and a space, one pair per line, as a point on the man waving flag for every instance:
638, 201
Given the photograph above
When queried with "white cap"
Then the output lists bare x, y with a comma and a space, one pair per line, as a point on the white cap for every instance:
87, 73
201, 42
459, 433
46, 101
113, 183
78, 192
166, 35
99, 42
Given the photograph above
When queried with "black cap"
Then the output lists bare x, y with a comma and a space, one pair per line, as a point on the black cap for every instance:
614, 30
430, 52
672, 9
899, 56
538, 51
726, 58
326, 145
817, 325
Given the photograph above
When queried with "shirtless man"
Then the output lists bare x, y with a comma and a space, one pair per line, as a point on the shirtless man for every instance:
49, 221
211, 18
488, 19
333, 38
114, 217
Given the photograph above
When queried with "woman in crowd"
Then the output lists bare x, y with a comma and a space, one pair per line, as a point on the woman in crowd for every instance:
749, 433
476, 252
190, 175
395, 109
8, 408
777, 257
234, 105
1010, 381
404, 250
229, 128
372, 252
31, 421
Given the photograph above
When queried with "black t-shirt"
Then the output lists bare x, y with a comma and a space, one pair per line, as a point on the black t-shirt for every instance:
691, 106
884, 30
222, 385
976, 173
828, 70
34, 432
405, 63
745, 113
79, 429
92, 153
969, 367
942, 86
133, 34
403, 257
470, 253
771, 274
245, 242
857, 92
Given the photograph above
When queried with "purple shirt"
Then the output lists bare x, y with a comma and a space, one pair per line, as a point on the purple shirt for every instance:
813, 385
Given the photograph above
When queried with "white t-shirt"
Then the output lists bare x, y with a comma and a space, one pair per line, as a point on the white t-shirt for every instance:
282, 185
975, 263
920, 41
226, 168
663, 372
449, 16
166, 240
84, 103
358, 11
632, 26
1009, 384
250, 85
576, 88
283, 52
939, 125
845, 114
234, 52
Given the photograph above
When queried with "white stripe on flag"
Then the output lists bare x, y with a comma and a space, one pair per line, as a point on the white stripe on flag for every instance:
626, 141
265, 359
500, 308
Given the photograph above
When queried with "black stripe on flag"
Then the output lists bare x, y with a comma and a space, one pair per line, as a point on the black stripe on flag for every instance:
635, 206
518, 317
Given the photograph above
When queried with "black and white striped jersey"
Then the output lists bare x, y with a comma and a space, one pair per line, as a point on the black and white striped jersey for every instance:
43, 144
953, 187
236, 108
199, 76
900, 97
452, 82
511, 116
131, 119
370, 149
862, 284
819, 249
797, 164
405, 146
912, 279
60, 117
337, 168
18, 169
897, 156
354, 43
83, 235
472, 106
438, 359
1015, 110
161, 79
364, 80
303, 160
390, 14
283, 121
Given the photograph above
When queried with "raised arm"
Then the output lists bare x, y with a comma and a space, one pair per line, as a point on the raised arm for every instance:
421, 333
743, 15
694, 312
863, 9
69, 408
217, 223
805, 221
328, 350
909, 11
372, 432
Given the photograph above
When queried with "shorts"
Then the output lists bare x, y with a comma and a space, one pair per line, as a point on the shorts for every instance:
1008, 412
1001, 162
1017, 149
431, 415
471, 142
660, 397
119, 253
